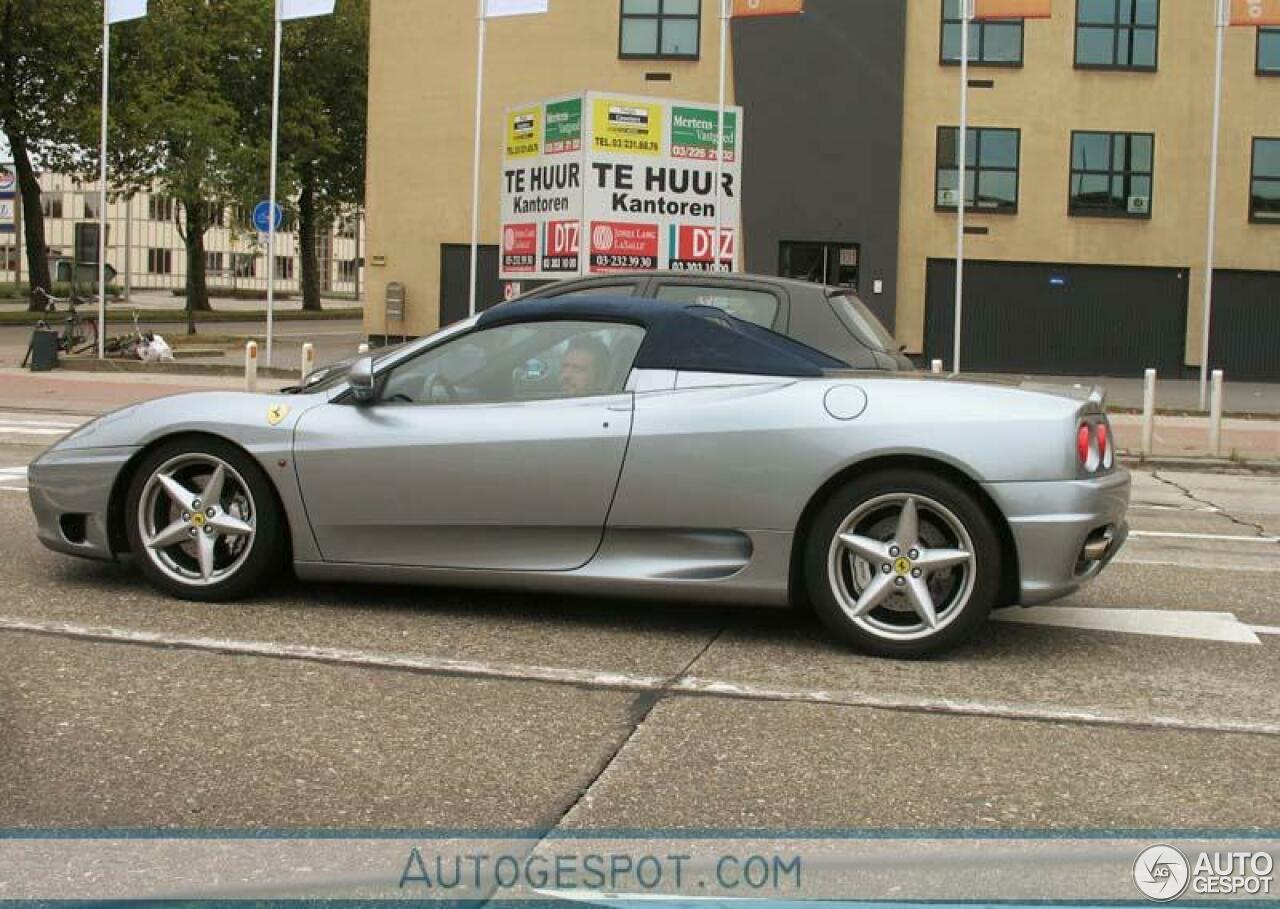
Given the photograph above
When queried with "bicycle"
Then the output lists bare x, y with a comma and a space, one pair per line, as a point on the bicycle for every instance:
79, 333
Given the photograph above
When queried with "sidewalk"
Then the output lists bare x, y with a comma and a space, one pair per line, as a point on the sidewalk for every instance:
1180, 395
144, 300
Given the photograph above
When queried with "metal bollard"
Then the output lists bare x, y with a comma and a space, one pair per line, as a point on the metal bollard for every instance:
936, 367
308, 360
251, 366
1215, 413
1148, 411
363, 348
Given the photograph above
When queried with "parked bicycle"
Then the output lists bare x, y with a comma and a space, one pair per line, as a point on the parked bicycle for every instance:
79, 333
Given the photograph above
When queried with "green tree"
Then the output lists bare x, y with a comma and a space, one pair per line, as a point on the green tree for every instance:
49, 69
193, 81
323, 124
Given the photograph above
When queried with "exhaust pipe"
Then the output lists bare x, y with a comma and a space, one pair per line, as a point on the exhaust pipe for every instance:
1096, 547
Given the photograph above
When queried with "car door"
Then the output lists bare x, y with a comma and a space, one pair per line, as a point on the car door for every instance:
474, 456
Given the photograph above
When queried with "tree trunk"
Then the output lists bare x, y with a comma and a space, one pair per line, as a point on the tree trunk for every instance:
307, 238
32, 222
193, 238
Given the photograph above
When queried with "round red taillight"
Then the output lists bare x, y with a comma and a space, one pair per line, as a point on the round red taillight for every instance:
1083, 442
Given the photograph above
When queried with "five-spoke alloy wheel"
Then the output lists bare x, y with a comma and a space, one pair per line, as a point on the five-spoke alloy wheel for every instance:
202, 520
902, 563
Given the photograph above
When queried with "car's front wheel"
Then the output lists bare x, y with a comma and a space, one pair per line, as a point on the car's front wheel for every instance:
202, 520
902, 563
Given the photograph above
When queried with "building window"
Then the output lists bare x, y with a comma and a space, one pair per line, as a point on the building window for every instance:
991, 169
213, 263
1117, 34
245, 265
347, 270
215, 214
284, 268
51, 205
8, 258
159, 208
159, 262
1264, 197
994, 43
91, 207
1269, 51
665, 29
1111, 174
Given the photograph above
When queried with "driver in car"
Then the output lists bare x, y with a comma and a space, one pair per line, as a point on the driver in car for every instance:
583, 369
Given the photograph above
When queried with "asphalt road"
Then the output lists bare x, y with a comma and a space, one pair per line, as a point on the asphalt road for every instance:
344, 706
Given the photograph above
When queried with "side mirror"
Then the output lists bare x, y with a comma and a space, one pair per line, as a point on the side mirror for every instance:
361, 379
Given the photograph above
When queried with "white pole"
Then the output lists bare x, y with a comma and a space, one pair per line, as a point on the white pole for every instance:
102, 189
1220, 11
251, 366
308, 359
1148, 410
966, 14
1215, 414
936, 367
725, 11
271, 213
475, 160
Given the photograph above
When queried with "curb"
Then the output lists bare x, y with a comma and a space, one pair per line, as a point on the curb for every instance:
1265, 466
172, 369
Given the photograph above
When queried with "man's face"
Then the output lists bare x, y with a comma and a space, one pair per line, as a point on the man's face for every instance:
578, 374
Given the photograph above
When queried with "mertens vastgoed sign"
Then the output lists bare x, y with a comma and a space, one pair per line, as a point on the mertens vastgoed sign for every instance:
598, 183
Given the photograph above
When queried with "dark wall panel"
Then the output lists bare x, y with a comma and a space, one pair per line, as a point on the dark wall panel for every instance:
455, 281
822, 94
1083, 320
1244, 340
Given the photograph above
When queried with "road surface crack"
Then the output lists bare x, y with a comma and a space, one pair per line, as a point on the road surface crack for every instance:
1257, 528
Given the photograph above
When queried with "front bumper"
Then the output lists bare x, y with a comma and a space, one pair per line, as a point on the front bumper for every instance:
1052, 521
71, 495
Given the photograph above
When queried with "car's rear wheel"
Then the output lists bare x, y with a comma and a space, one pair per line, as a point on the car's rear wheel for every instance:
902, 563
203, 521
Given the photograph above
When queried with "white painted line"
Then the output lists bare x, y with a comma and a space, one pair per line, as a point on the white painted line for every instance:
1265, 629
1203, 509
690, 685
61, 424
25, 431
13, 472
1127, 559
1167, 623
1217, 537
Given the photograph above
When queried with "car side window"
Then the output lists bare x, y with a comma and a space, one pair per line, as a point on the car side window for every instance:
758, 306
534, 361
611, 290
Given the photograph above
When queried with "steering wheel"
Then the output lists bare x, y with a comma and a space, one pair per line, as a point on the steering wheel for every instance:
438, 381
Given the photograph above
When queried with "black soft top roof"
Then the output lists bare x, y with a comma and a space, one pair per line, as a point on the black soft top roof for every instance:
683, 336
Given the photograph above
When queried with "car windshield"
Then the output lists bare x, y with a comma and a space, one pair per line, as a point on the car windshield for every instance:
330, 376
864, 321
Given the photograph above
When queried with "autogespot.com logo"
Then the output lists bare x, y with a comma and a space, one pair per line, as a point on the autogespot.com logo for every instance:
1161, 873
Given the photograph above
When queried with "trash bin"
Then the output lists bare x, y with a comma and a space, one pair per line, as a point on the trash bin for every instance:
42, 353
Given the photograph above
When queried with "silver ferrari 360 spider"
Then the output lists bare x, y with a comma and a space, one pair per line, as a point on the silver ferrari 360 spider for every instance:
612, 446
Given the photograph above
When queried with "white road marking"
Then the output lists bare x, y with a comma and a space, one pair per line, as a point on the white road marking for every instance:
1126, 559
1215, 537
1265, 629
13, 479
9, 430
690, 685
1203, 509
1167, 623
13, 419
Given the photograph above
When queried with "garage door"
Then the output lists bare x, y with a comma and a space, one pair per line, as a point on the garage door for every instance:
1245, 337
1085, 320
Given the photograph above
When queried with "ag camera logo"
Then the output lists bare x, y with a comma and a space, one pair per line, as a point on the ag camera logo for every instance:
1161, 873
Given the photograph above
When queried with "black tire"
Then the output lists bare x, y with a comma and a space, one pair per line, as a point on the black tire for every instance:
985, 570
266, 550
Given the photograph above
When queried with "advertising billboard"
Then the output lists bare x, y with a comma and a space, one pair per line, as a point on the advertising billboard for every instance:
600, 183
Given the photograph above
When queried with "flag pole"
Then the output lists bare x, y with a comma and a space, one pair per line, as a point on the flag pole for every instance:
271, 194
725, 10
1220, 11
102, 189
966, 15
481, 12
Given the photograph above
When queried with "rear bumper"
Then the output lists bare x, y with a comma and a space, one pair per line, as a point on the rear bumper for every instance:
71, 495
1051, 523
